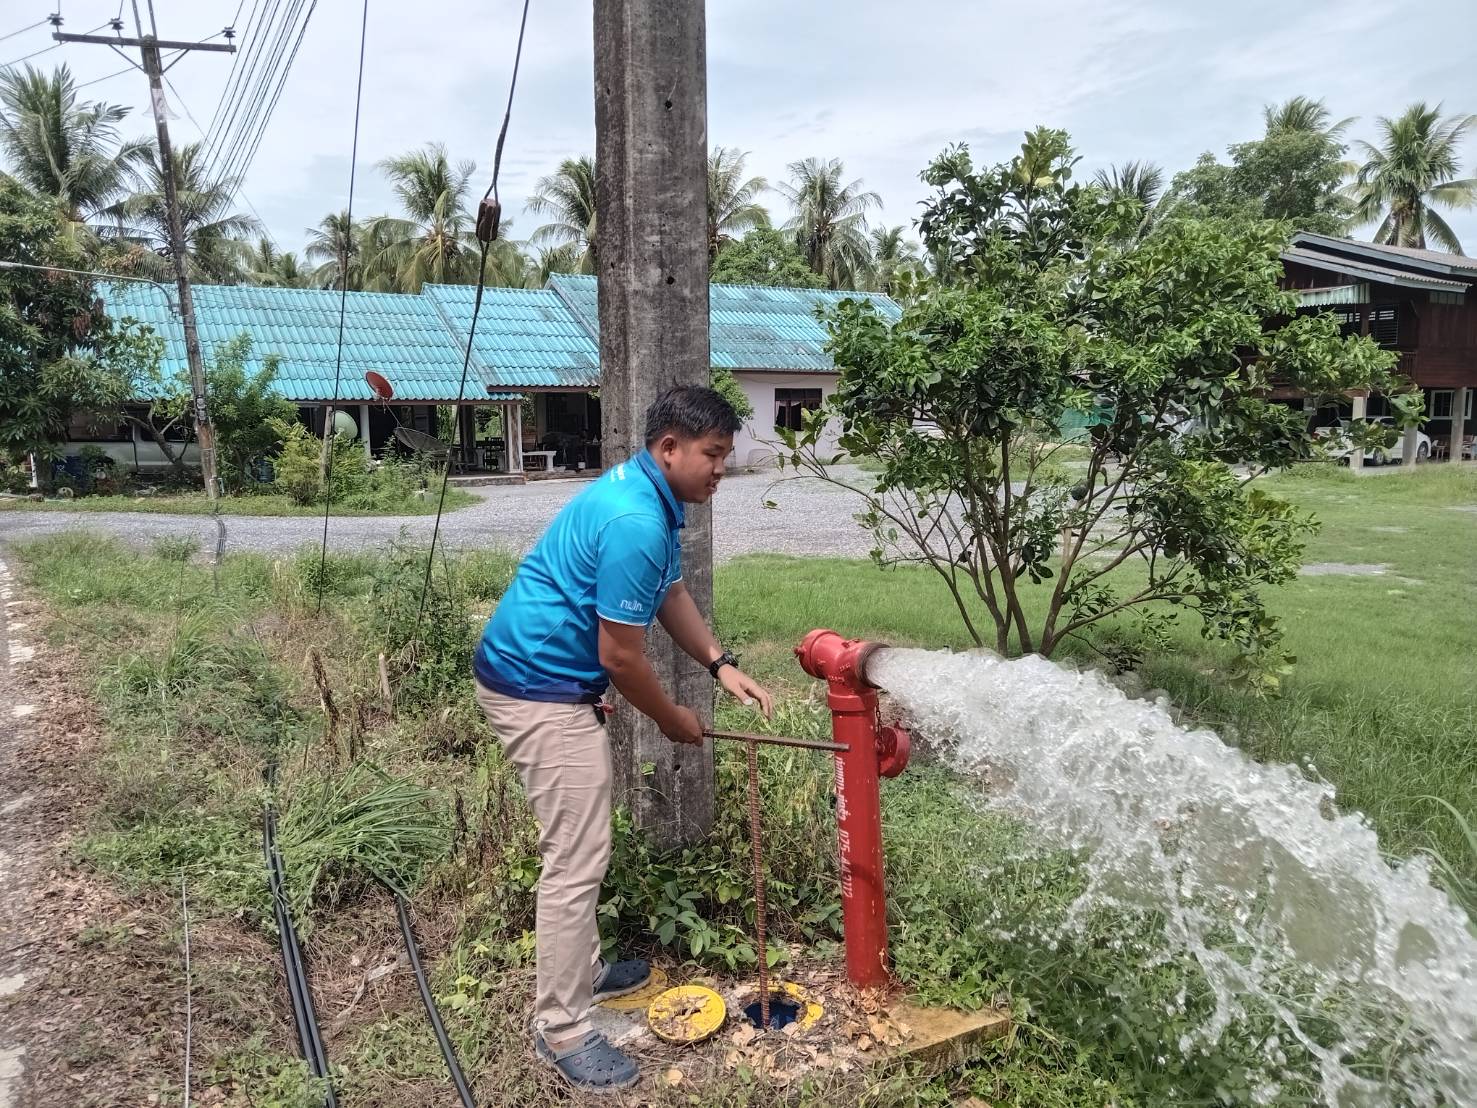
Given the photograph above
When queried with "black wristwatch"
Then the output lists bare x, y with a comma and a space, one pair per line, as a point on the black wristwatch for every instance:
724, 659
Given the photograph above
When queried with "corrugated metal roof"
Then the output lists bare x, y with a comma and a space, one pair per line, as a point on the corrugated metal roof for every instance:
1439, 259
752, 326
525, 337
402, 337
1318, 259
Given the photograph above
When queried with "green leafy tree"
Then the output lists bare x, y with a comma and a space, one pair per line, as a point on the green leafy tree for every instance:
1413, 171
1176, 336
765, 257
244, 406
51, 324
727, 386
63, 147
1294, 172
830, 220
732, 205
567, 198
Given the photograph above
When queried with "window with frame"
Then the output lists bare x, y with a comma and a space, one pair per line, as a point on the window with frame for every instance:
91, 427
1438, 404
790, 406
1384, 326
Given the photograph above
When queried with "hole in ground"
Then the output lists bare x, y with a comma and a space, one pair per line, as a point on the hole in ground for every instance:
782, 1012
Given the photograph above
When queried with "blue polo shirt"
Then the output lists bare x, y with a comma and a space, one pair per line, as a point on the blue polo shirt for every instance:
611, 553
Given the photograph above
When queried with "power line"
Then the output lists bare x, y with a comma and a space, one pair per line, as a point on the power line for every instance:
239, 159
240, 168
343, 307
245, 93
486, 233
117, 73
267, 231
235, 68
23, 30
49, 49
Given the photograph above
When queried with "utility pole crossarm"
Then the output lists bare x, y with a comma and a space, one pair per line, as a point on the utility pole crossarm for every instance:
162, 44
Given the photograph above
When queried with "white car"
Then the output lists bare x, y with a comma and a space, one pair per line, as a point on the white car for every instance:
1340, 449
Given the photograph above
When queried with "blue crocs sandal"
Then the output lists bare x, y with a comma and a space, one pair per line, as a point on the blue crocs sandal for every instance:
614, 979
591, 1065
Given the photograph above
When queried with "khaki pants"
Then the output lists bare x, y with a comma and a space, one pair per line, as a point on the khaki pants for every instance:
563, 758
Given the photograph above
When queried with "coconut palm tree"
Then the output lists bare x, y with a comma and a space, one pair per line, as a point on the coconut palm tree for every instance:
1141, 182
732, 209
1411, 171
436, 240
63, 147
215, 247
567, 197
266, 265
333, 246
830, 220
1303, 113
892, 255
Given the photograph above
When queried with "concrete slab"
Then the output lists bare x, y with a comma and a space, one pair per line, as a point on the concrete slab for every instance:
12, 1069
944, 1037
621, 1028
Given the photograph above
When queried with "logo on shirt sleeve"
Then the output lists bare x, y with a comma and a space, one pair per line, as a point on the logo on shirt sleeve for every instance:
633, 606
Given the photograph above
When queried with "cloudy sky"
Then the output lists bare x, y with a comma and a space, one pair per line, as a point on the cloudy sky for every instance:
881, 85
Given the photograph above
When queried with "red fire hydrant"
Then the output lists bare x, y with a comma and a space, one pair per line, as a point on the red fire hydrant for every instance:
873, 751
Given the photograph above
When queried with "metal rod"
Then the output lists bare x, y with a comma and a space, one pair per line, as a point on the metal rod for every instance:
778, 740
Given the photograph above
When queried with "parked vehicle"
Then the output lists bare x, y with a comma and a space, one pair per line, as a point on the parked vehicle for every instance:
1339, 447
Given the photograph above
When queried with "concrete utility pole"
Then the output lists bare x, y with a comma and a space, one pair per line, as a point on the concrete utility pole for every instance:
149, 46
651, 124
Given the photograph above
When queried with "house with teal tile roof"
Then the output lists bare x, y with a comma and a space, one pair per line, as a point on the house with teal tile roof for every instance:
534, 349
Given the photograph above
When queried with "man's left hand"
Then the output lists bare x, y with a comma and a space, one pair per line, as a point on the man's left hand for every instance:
745, 689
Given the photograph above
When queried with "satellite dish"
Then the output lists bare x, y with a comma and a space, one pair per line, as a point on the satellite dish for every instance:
380, 385
345, 426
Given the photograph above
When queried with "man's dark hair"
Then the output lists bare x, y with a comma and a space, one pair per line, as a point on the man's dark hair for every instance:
690, 412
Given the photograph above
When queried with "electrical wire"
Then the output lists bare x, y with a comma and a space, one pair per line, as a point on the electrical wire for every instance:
238, 159
243, 166
240, 86
343, 308
235, 67
116, 73
497, 161
49, 49
23, 30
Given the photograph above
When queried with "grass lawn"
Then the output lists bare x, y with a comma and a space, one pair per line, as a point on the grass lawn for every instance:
196, 697
265, 504
1384, 697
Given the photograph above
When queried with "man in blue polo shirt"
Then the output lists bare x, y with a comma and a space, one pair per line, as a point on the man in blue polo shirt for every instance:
572, 623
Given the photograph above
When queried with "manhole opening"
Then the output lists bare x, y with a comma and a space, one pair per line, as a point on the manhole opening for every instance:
782, 1012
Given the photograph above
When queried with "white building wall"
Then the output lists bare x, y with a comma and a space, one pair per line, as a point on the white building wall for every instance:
754, 444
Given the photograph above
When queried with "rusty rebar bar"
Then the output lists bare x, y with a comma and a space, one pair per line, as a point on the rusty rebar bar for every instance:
779, 740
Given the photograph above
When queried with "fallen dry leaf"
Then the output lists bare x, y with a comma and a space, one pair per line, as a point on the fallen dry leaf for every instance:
673, 1076
864, 1043
745, 1035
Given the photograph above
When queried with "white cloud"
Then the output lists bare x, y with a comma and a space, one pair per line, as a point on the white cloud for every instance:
882, 85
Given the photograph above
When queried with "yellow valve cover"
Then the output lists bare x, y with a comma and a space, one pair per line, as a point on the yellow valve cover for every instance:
686, 1014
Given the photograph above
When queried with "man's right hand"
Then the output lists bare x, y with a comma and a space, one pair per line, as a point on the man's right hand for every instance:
684, 726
